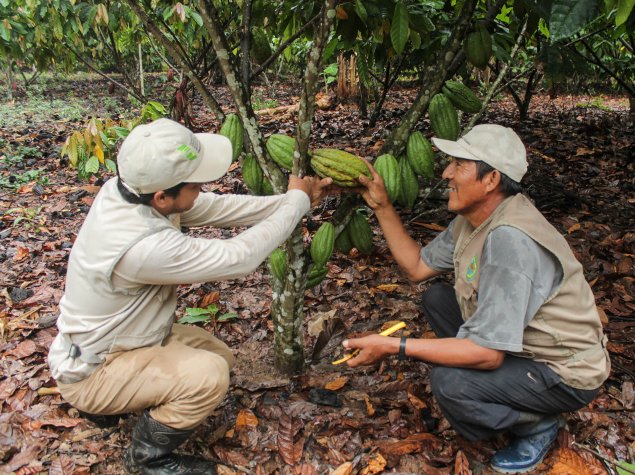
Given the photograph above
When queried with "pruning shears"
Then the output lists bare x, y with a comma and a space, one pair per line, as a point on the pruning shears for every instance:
386, 332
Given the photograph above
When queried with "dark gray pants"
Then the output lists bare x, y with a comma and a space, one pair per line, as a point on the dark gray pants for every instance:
481, 403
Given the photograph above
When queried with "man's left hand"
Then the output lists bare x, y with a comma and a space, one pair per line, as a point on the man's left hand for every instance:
373, 349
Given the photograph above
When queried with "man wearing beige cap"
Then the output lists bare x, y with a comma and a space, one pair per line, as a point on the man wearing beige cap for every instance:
519, 336
118, 349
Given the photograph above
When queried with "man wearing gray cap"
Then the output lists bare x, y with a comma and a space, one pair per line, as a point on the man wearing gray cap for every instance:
519, 336
118, 349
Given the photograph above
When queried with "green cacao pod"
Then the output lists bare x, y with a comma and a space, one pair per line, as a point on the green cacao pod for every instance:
409, 184
252, 174
361, 234
345, 168
267, 189
260, 47
278, 260
420, 155
443, 118
316, 276
233, 129
343, 242
388, 169
322, 245
281, 149
478, 47
462, 97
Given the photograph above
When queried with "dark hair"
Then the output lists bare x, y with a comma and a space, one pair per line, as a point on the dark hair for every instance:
509, 186
145, 198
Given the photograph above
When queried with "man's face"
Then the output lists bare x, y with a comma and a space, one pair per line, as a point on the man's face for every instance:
467, 193
184, 201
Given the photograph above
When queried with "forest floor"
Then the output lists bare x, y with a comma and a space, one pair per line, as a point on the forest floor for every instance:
581, 152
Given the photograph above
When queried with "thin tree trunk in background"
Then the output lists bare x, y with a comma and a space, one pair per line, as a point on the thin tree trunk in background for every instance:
141, 72
352, 76
342, 91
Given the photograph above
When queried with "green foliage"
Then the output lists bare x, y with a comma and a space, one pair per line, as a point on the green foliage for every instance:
205, 315
31, 217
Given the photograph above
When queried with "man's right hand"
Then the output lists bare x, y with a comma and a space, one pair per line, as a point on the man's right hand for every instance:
373, 191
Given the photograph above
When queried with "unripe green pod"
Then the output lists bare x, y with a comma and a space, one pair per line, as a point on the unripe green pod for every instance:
409, 184
267, 189
343, 242
443, 118
361, 234
233, 129
345, 168
388, 169
316, 276
420, 155
462, 97
281, 149
278, 261
478, 47
252, 174
322, 245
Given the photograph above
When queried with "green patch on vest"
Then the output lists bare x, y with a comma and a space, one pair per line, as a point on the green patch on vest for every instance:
189, 153
471, 270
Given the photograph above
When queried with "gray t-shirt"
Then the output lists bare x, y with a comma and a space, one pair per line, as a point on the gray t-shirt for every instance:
517, 276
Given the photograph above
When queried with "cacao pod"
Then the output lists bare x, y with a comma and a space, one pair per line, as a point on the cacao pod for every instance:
443, 118
233, 129
360, 233
409, 184
478, 47
111, 88
260, 47
278, 260
462, 97
345, 168
343, 242
267, 189
170, 74
252, 174
14, 86
388, 169
183, 84
420, 155
179, 98
281, 149
322, 244
316, 276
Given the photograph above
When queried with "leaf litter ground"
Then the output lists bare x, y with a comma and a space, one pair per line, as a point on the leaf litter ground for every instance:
369, 420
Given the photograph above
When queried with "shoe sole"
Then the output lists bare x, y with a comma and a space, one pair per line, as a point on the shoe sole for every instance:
519, 470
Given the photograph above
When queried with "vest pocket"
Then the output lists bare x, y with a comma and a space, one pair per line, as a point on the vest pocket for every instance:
467, 297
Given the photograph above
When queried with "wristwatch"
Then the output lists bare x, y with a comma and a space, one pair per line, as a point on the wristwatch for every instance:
402, 348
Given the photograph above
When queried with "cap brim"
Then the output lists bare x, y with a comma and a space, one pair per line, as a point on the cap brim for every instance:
454, 149
216, 160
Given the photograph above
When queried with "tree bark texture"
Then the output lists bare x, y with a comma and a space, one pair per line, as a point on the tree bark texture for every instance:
179, 58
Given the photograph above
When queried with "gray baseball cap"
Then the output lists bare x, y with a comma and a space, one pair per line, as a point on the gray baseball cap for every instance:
498, 146
164, 153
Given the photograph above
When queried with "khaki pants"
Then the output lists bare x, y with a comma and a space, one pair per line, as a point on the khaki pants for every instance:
182, 381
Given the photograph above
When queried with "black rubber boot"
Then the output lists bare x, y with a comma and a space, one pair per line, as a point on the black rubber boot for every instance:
151, 451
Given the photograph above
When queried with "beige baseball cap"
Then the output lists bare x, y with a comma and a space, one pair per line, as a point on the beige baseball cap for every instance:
493, 144
164, 153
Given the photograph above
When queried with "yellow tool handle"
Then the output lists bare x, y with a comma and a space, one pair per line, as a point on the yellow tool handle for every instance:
387, 332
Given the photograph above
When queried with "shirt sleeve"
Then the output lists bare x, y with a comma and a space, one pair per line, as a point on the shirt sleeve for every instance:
439, 254
170, 257
211, 209
517, 276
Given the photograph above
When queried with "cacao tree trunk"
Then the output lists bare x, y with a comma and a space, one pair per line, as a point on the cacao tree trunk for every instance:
342, 89
286, 310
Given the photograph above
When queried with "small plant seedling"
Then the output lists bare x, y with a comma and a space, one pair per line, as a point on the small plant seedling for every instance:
205, 315
30, 216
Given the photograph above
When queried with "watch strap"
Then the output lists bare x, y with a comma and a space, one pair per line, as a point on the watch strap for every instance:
402, 348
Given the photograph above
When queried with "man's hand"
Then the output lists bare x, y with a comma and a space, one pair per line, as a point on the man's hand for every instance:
373, 191
319, 188
374, 348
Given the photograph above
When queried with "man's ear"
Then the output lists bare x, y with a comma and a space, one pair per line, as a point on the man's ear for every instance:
493, 180
161, 200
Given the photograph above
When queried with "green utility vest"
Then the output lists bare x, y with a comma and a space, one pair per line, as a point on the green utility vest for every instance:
566, 332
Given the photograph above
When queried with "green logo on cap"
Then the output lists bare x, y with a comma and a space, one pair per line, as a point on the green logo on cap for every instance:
188, 152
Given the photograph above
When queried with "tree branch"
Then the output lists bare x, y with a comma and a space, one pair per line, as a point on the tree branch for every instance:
116, 83
163, 58
588, 35
180, 59
245, 46
282, 47
598, 62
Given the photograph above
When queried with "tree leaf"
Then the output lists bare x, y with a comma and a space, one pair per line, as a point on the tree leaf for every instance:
100, 153
227, 316
110, 165
196, 319
92, 165
399, 30
195, 312
361, 10
341, 14
570, 16
630, 466
362, 68
624, 8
